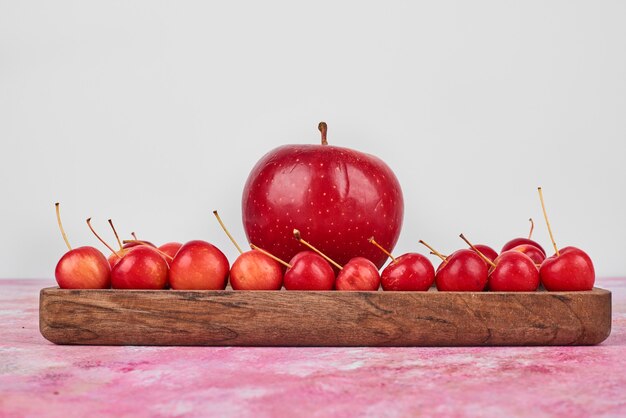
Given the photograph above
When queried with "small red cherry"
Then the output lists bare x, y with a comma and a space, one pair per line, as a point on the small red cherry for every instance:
408, 272
82, 267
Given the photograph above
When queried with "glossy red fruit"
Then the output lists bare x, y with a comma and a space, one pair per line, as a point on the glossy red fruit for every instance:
83, 268
358, 274
254, 270
572, 270
309, 271
487, 251
170, 248
141, 268
114, 258
531, 251
521, 241
410, 271
462, 271
337, 197
198, 265
514, 272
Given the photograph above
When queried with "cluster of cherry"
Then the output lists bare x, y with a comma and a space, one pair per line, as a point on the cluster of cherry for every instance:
199, 265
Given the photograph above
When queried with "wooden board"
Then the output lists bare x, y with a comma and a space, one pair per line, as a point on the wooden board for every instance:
296, 318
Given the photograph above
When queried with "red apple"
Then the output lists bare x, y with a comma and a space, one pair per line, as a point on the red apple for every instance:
462, 271
571, 270
531, 251
358, 274
337, 196
198, 265
514, 272
515, 242
115, 257
523, 241
487, 251
408, 272
170, 248
83, 268
309, 271
141, 268
254, 270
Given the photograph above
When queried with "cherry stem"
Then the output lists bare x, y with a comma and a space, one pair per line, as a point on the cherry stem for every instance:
296, 234
100, 238
227, 233
381, 248
270, 255
134, 236
444, 256
117, 237
324, 130
140, 241
58, 211
545, 216
487, 260
532, 227
164, 254
435, 252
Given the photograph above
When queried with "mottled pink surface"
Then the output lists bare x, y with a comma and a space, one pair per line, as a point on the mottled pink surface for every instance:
38, 378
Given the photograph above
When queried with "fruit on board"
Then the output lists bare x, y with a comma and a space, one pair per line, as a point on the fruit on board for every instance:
255, 269
359, 273
569, 269
408, 272
511, 271
170, 248
141, 268
521, 241
309, 271
81, 268
531, 251
514, 271
487, 251
462, 271
198, 265
337, 196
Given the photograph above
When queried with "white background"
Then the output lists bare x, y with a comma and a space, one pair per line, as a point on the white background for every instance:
153, 113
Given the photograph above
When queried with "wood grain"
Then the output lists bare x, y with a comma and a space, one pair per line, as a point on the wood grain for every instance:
296, 318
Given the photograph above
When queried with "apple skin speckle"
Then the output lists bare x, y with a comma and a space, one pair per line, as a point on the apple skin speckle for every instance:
339, 196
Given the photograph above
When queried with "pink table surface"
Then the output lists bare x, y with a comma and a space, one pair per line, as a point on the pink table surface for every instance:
38, 378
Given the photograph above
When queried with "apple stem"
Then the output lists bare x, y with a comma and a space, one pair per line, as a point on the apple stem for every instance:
296, 234
117, 237
532, 227
128, 241
134, 236
227, 233
100, 238
487, 260
381, 248
164, 254
270, 255
545, 215
444, 256
324, 130
58, 211
435, 252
